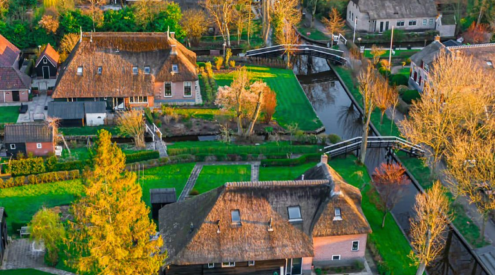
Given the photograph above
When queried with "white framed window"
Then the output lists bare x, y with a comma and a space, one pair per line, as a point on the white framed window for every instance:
294, 213
134, 70
39, 145
338, 214
175, 68
80, 70
251, 263
100, 70
400, 23
12, 146
425, 21
431, 21
228, 264
355, 246
412, 23
211, 265
44, 60
168, 89
138, 99
187, 89
147, 70
236, 217
335, 257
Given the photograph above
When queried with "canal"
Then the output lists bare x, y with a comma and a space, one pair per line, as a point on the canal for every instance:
340, 115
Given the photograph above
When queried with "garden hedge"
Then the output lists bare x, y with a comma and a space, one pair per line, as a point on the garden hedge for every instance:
410, 95
291, 162
40, 178
141, 156
266, 150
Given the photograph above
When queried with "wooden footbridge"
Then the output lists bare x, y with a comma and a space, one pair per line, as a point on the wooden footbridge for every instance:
386, 142
335, 56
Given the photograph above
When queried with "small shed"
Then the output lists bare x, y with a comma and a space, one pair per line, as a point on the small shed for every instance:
161, 197
71, 114
95, 112
47, 63
35, 138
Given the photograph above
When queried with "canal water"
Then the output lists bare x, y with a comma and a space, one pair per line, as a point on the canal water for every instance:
340, 116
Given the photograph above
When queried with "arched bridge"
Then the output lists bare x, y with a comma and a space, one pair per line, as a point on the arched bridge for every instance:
311, 50
387, 142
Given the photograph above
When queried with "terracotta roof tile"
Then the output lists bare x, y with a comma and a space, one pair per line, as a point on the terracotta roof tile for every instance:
13, 79
8, 52
51, 54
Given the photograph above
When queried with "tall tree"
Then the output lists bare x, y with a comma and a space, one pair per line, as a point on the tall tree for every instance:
131, 123
111, 230
46, 227
241, 16
428, 226
269, 105
223, 14
146, 11
334, 23
266, 20
259, 89
313, 4
389, 181
289, 39
67, 44
194, 23
384, 98
4, 8
376, 52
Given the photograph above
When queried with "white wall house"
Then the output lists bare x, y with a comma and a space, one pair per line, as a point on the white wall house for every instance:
377, 16
95, 113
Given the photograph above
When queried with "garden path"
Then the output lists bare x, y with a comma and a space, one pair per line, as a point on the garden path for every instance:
255, 172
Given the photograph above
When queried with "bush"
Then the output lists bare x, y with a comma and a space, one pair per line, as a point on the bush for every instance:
50, 163
70, 165
398, 79
318, 271
193, 192
141, 156
358, 265
291, 162
27, 166
148, 115
333, 138
410, 95
233, 149
232, 63
218, 62
40, 178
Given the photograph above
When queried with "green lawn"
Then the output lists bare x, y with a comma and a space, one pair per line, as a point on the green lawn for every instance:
314, 33
207, 114
87, 130
292, 104
213, 176
82, 153
21, 203
405, 71
390, 242
23, 272
169, 176
284, 172
9, 114
398, 53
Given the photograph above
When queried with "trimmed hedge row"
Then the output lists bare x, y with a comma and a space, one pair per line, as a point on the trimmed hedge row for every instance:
291, 162
141, 156
40, 178
27, 166
240, 150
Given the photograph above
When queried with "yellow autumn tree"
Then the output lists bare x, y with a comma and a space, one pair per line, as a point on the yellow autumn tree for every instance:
46, 227
111, 230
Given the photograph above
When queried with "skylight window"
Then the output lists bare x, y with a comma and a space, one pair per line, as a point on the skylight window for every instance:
147, 70
80, 70
489, 63
100, 69
236, 217
134, 70
175, 68
294, 213
338, 214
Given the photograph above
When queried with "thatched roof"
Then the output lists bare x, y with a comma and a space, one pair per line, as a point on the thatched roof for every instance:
117, 54
190, 227
397, 9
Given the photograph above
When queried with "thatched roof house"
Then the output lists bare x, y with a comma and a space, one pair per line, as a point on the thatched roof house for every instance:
264, 221
132, 66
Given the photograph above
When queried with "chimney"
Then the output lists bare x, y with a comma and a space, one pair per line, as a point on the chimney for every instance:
324, 159
437, 38
172, 35
335, 190
173, 50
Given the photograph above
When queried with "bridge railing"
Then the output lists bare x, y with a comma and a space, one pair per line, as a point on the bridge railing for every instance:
354, 144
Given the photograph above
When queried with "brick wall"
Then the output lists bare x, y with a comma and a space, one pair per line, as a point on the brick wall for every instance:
326, 247
46, 148
177, 92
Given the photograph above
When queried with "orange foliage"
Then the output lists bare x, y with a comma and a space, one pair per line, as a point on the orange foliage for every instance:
269, 105
478, 34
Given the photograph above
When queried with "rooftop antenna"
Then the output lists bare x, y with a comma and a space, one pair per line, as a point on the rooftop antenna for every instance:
168, 32
270, 228
218, 227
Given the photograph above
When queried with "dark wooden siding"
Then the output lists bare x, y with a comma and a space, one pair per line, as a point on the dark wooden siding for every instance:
260, 268
19, 147
52, 69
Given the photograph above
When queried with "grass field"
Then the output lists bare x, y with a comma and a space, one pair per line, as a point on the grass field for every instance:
292, 104
87, 130
22, 202
405, 71
83, 153
9, 114
398, 53
23, 272
314, 33
390, 242
215, 176
170, 176
284, 172
207, 114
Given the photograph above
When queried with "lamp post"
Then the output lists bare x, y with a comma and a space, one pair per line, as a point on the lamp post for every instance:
359, 41
354, 34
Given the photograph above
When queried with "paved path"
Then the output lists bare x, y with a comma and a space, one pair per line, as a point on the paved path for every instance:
36, 109
255, 171
18, 255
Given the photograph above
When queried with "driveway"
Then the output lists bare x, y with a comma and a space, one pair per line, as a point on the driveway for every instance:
36, 110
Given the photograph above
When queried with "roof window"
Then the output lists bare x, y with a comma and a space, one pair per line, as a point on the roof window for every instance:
80, 70
294, 213
147, 70
338, 214
175, 68
236, 217
134, 70
100, 69
489, 63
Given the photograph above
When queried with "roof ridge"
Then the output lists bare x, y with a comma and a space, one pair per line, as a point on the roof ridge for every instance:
471, 46
287, 183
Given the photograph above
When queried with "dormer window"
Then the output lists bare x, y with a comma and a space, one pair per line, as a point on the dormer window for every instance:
134, 70
236, 217
175, 68
489, 63
294, 213
100, 69
44, 60
80, 70
147, 70
338, 214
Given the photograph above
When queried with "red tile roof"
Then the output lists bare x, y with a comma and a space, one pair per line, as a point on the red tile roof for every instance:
8, 52
51, 54
13, 79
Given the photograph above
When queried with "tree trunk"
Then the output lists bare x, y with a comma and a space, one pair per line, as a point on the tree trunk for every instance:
239, 125
227, 31
249, 24
255, 115
381, 117
421, 269
384, 217
364, 143
481, 12
313, 14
